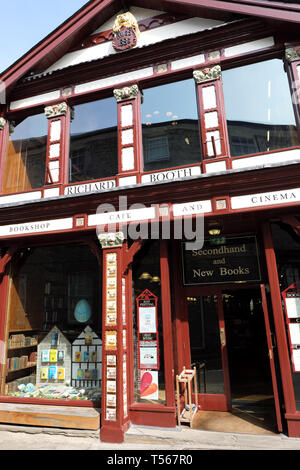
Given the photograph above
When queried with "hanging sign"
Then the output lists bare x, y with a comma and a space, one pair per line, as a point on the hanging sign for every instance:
232, 260
291, 300
148, 347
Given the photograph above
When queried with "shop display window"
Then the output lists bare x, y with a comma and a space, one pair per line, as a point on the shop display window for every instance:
259, 111
287, 251
54, 347
149, 383
94, 141
170, 126
25, 160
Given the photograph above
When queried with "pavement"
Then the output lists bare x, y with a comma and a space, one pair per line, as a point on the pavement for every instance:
139, 439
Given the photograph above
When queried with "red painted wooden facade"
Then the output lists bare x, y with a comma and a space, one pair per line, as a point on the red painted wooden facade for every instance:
253, 21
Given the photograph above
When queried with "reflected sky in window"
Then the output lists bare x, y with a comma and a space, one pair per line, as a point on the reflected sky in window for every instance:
171, 102
33, 126
101, 114
258, 93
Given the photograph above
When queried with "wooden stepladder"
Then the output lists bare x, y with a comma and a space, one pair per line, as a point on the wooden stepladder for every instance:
188, 377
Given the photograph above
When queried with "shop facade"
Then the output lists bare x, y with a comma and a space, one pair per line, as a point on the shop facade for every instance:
149, 215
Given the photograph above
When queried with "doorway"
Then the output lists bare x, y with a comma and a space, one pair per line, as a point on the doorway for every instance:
252, 395
230, 345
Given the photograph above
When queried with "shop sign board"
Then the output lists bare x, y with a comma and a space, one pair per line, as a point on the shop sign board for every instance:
284, 196
235, 259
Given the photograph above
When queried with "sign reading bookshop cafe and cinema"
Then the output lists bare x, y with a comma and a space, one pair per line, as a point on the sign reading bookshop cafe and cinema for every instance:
231, 260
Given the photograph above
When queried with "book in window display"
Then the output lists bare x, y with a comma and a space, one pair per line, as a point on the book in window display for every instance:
87, 361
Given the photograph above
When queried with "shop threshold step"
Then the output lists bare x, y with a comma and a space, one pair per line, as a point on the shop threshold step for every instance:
50, 416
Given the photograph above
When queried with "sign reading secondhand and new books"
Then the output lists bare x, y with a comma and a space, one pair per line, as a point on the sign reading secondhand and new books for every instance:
233, 260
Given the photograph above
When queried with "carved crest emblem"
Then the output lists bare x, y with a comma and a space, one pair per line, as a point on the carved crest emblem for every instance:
126, 32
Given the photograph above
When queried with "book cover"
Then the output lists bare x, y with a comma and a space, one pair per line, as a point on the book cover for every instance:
52, 372
53, 355
86, 356
61, 374
46, 355
77, 356
94, 356
60, 355
87, 374
44, 373
79, 374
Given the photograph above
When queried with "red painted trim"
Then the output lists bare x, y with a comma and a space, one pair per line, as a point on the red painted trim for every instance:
287, 383
271, 357
3, 301
235, 6
167, 324
113, 429
4, 136
130, 362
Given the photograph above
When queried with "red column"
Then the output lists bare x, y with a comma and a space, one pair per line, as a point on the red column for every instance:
57, 158
212, 112
4, 278
167, 324
292, 62
115, 417
4, 134
283, 354
129, 135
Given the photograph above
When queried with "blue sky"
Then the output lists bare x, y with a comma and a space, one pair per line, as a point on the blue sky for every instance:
25, 22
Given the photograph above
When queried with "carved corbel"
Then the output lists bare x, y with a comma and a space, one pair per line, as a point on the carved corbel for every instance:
111, 240
56, 110
126, 93
292, 54
209, 73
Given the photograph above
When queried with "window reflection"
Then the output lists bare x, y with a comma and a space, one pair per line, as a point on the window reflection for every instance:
170, 126
93, 141
259, 110
26, 155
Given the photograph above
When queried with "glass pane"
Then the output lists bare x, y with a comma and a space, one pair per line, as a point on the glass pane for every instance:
170, 126
25, 161
259, 110
94, 141
287, 250
146, 275
205, 343
54, 345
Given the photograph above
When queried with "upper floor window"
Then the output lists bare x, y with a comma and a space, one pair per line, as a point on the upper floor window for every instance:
25, 161
259, 110
94, 141
170, 126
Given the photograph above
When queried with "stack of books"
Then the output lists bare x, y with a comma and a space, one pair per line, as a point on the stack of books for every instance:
20, 340
15, 363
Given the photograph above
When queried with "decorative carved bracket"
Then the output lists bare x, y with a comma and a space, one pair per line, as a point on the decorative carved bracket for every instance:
2, 123
111, 240
126, 93
56, 110
293, 222
209, 73
292, 53
4, 260
130, 254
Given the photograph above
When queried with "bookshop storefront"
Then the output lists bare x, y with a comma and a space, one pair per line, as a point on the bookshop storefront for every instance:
107, 326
